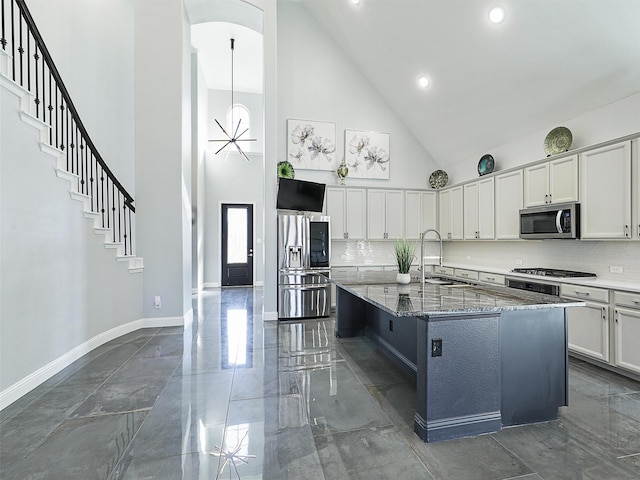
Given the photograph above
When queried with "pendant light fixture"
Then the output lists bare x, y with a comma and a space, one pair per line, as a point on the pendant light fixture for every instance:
235, 138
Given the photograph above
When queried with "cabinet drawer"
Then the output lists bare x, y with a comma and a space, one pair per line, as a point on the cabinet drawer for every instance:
584, 293
627, 299
491, 278
342, 270
371, 268
443, 270
466, 274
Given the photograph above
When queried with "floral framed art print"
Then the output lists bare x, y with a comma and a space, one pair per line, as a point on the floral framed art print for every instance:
367, 154
311, 145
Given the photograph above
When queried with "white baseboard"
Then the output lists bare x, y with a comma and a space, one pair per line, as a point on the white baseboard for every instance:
211, 285
31, 381
269, 315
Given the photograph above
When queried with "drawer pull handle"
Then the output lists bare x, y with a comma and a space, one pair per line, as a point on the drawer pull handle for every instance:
636, 302
585, 294
492, 279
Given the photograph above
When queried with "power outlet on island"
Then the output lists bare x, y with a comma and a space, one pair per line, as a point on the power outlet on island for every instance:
157, 301
616, 269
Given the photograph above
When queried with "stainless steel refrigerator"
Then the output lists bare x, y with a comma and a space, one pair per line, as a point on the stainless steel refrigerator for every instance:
304, 266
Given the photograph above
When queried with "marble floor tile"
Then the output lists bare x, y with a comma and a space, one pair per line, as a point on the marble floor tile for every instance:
86, 448
370, 454
230, 396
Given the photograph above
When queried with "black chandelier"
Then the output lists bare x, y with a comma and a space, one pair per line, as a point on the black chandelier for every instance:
235, 138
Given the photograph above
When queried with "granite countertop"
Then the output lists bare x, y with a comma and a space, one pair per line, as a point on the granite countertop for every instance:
414, 300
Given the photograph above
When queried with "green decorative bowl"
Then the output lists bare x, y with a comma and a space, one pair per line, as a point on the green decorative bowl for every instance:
285, 170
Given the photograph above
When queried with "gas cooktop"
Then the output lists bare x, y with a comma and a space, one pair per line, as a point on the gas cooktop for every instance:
552, 272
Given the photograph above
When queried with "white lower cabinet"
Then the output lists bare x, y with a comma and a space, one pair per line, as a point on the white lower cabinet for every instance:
588, 326
627, 330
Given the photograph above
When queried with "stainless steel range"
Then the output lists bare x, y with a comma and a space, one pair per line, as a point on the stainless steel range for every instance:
552, 272
548, 288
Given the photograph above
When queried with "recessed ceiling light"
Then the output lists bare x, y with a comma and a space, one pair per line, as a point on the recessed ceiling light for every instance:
355, 2
496, 15
423, 81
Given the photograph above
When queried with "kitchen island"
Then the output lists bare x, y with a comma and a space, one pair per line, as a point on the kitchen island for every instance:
483, 357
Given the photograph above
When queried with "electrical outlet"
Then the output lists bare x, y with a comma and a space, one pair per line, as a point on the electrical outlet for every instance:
390, 256
157, 301
468, 257
436, 347
616, 269
518, 261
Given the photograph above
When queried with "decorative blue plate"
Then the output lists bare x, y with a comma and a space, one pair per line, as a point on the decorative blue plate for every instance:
486, 164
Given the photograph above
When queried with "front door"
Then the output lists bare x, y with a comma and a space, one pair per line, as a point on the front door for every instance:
237, 244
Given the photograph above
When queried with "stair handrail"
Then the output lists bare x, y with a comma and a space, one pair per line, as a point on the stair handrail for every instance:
109, 201
63, 90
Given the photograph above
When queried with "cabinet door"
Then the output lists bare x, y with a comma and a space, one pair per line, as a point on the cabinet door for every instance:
394, 214
413, 214
336, 209
376, 214
356, 213
470, 211
508, 196
456, 209
627, 335
429, 210
536, 185
486, 209
563, 180
444, 214
589, 330
605, 192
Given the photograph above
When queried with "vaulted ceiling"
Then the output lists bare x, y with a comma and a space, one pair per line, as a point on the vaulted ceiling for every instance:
549, 61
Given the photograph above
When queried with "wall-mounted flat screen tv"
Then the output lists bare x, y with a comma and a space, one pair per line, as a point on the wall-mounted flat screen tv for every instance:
300, 195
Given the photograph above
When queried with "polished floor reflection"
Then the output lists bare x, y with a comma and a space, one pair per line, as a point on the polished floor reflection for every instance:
233, 397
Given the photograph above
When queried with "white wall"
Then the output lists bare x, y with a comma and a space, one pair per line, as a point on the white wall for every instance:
92, 46
316, 81
199, 119
60, 286
612, 121
163, 156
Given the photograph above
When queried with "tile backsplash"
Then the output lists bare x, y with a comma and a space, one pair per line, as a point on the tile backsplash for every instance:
589, 256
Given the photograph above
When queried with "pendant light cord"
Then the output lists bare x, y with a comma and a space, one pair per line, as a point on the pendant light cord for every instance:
232, 119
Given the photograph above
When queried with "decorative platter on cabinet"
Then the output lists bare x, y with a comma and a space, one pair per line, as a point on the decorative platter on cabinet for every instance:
438, 179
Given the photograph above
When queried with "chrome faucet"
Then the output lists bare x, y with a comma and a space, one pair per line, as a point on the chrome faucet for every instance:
422, 235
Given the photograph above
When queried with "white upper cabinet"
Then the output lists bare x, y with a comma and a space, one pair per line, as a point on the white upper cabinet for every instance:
451, 213
555, 181
420, 212
479, 210
508, 202
385, 214
605, 192
347, 208
636, 188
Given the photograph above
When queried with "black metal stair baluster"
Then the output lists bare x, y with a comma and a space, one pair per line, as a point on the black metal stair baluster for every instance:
21, 51
64, 120
124, 215
113, 211
102, 196
28, 60
57, 126
36, 100
107, 209
130, 233
13, 44
3, 38
50, 107
90, 186
44, 90
119, 219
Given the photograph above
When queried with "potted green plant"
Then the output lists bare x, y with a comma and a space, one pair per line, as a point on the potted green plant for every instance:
404, 254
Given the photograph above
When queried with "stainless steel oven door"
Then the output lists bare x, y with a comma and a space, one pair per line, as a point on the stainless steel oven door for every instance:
304, 301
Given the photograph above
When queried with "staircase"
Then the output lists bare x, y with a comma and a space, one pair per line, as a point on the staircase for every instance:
27, 70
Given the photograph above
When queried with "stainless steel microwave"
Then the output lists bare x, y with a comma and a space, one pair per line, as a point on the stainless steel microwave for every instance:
550, 221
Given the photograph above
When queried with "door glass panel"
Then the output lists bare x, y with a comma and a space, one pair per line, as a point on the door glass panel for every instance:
237, 235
